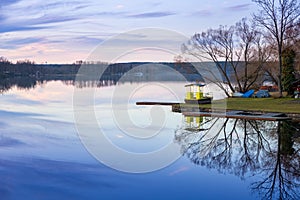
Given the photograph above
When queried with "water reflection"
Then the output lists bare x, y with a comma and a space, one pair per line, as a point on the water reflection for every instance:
282, 179
56, 179
268, 151
25, 83
41, 152
31, 82
112, 74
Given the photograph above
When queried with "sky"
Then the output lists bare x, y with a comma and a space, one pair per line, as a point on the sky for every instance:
65, 31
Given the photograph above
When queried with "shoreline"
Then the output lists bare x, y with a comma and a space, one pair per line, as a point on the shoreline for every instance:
288, 106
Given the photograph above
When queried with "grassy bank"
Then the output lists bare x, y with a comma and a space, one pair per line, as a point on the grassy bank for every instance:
285, 105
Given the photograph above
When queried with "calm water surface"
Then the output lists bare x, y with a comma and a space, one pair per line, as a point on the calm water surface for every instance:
42, 156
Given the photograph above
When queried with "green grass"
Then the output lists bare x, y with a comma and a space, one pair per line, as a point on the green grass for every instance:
285, 105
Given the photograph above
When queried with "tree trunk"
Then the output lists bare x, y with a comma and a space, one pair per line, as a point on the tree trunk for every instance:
280, 72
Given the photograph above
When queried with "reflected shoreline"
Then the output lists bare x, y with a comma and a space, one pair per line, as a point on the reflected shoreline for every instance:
246, 148
113, 74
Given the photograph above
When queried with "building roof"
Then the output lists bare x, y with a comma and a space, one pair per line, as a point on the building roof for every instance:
195, 84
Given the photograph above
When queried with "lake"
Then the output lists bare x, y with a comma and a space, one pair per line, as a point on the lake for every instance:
65, 140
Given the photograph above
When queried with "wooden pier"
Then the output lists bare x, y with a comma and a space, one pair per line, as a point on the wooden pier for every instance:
147, 103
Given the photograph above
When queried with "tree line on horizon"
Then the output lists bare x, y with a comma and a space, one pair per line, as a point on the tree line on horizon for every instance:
26, 74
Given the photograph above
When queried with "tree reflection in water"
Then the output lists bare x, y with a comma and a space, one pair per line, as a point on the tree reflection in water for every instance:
267, 150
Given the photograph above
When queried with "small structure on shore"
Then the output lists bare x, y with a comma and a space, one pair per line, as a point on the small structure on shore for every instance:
195, 94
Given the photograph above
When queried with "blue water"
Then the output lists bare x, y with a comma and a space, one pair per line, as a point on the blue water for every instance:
43, 157
49, 179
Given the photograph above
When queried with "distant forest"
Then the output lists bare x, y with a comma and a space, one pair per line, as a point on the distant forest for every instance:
30, 69
27, 74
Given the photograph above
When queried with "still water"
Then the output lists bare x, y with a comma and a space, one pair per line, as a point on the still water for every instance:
43, 155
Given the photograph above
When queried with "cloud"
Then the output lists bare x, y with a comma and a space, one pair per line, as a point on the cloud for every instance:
15, 43
3, 6
27, 13
151, 15
48, 19
110, 14
70, 5
27, 40
16, 16
87, 40
120, 6
9, 142
156, 4
8, 2
76, 26
203, 13
240, 7
14, 28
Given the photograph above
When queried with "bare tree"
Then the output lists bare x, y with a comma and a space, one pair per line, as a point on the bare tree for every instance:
253, 53
213, 45
4, 60
277, 17
235, 50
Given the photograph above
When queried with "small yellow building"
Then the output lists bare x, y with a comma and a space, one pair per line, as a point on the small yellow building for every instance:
195, 94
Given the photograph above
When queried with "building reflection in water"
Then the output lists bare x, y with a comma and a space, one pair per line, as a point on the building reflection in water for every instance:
266, 150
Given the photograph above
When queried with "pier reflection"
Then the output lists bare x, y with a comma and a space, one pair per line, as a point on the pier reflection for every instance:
268, 152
